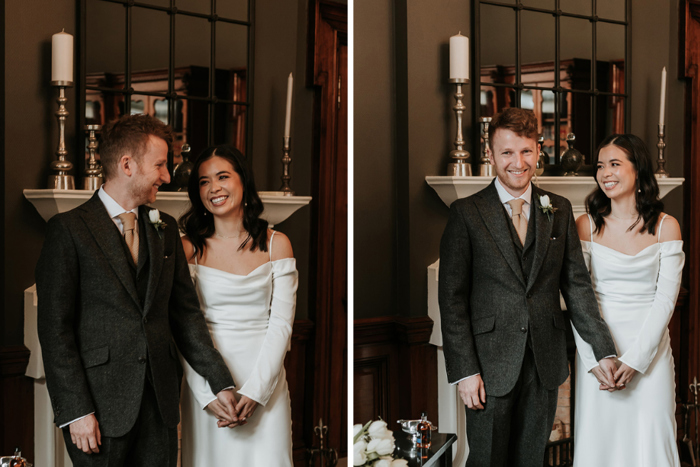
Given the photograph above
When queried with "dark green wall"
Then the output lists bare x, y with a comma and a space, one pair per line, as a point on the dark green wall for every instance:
404, 126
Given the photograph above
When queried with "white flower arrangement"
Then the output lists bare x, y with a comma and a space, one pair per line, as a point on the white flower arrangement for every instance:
373, 445
154, 218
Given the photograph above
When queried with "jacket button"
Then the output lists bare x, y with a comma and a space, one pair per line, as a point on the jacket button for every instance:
523, 329
142, 359
145, 320
528, 295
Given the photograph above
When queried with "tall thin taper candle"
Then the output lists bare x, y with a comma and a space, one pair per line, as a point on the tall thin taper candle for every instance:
662, 110
288, 114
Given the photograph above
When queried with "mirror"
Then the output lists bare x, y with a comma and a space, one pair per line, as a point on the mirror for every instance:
560, 90
178, 94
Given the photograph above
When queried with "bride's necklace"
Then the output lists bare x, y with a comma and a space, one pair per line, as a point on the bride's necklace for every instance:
625, 218
240, 234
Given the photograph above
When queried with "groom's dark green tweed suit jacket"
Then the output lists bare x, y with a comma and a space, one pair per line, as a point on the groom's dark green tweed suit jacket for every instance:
489, 305
103, 324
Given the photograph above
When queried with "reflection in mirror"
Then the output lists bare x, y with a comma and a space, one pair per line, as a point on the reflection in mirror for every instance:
611, 112
197, 6
193, 41
537, 37
104, 37
497, 36
231, 55
579, 7
233, 9
576, 40
230, 125
150, 33
611, 50
527, 100
611, 9
544, 4
163, 3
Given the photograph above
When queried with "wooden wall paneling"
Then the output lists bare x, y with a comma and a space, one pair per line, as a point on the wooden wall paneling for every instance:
689, 61
329, 217
16, 403
395, 369
295, 364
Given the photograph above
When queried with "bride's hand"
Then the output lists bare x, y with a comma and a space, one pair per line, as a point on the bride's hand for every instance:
605, 376
624, 375
222, 416
245, 407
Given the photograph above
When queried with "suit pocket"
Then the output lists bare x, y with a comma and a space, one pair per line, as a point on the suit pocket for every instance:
483, 325
559, 322
95, 357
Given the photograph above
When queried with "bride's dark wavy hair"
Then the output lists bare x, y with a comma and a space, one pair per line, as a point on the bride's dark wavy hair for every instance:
198, 223
649, 206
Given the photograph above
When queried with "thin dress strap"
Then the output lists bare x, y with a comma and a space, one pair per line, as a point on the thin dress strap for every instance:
269, 248
658, 235
590, 225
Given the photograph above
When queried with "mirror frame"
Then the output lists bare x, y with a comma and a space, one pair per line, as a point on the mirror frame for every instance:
518, 6
171, 95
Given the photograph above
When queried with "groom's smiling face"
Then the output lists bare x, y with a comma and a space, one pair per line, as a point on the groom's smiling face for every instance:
515, 159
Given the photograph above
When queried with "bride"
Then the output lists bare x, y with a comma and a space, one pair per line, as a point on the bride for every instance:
246, 279
634, 254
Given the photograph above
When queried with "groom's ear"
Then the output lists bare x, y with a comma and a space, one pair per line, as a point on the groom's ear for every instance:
126, 165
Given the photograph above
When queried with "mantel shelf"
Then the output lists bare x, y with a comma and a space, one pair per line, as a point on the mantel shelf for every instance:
49, 202
575, 189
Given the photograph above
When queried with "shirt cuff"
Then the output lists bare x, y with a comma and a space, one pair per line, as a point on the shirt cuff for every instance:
466, 377
79, 418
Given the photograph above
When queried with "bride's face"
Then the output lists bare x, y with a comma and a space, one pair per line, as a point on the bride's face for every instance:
220, 187
616, 174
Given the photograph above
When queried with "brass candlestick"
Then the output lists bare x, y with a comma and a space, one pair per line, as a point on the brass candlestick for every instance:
660, 161
286, 162
61, 180
460, 167
93, 179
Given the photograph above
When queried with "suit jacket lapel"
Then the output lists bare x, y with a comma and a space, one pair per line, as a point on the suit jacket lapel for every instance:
155, 254
489, 205
544, 232
107, 236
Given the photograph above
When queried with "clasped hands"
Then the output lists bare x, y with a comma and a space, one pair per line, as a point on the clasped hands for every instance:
229, 412
612, 378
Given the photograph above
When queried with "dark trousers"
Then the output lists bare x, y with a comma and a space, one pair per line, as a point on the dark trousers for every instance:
148, 443
513, 430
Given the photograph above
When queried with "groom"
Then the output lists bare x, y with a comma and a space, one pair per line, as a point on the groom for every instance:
114, 299
505, 255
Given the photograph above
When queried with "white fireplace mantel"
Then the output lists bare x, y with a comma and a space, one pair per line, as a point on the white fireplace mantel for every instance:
50, 202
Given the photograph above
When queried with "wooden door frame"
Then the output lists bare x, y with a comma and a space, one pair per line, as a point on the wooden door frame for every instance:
688, 67
328, 29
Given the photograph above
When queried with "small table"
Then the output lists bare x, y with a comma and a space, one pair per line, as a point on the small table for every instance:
439, 454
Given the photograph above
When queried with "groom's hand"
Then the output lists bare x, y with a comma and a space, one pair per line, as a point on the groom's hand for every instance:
85, 434
228, 401
605, 373
472, 392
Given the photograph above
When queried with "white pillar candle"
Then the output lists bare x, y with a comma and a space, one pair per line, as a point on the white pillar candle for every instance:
459, 57
62, 57
288, 113
662, 110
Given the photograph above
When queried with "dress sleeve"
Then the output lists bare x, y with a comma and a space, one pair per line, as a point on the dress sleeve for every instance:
263, 379
584, 349
640, 355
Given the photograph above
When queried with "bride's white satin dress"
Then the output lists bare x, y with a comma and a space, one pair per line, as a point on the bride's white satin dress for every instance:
637, 295
250, 319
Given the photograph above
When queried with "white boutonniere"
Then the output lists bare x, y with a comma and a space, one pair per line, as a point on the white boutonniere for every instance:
546, 207
154, 218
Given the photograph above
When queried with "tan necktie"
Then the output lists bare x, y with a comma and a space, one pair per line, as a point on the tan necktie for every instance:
519, 220
132, 241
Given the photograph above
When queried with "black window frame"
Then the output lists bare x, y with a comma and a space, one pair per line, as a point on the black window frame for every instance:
172, 97
558, 91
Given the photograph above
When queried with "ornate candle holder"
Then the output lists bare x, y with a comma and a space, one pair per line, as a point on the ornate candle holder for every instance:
660, 161
93, 179
460, 167
286, 162
61, 180
485, 167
